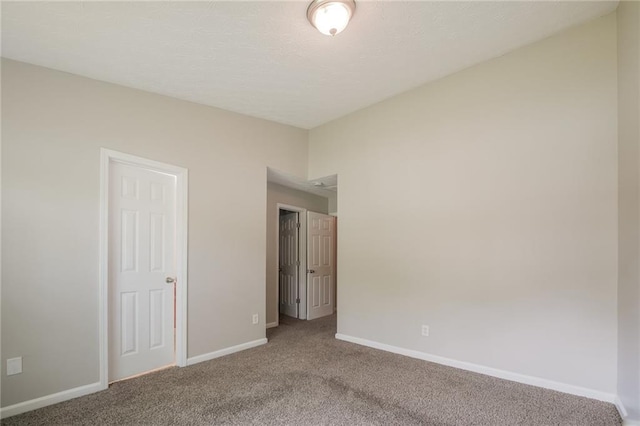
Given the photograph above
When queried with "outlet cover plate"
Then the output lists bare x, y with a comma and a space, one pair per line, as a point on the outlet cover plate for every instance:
425, 330
14, 366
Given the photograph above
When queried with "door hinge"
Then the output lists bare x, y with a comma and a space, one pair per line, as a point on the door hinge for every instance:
298, 262
297, 300
298, 225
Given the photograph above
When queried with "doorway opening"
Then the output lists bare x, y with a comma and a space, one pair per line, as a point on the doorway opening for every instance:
292, 261
306, 263
143, 266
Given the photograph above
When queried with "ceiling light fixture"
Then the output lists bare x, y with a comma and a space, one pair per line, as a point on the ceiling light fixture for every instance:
330, 17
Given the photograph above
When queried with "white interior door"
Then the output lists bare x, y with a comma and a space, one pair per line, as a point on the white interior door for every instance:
321, 268
289, 264
142, 259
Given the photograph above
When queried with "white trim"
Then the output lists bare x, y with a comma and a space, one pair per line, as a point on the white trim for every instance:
272, 324
108, 156
623, 413
226, 351
502, 374
44, 401
302, 254
620, 406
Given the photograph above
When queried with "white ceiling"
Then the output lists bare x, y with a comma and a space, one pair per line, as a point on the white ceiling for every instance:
265, 60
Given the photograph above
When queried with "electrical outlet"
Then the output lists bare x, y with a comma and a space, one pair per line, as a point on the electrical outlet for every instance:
425, 330
255, 318
14, 366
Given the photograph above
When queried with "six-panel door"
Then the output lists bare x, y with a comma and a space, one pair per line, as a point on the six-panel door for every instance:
289, 264
320, 263
142, 223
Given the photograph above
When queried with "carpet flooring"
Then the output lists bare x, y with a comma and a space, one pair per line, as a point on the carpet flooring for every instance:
304, 376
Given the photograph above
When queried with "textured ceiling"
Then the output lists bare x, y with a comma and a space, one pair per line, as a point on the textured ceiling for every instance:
265, 60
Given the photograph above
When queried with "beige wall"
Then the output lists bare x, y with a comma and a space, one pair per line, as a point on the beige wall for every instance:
629, 207
485, 206
53, 125
333, 204
280, 194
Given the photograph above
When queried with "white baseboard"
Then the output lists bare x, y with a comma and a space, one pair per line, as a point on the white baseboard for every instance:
502, 374
623, 413
620, 407
272, 324
55, 398
226, 351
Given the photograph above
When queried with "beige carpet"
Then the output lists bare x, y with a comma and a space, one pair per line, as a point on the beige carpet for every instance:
303, 376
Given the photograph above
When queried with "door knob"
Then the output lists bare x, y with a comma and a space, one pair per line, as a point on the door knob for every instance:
170, 280
311, 271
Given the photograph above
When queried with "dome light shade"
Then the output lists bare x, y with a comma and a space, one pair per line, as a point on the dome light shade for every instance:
330, 17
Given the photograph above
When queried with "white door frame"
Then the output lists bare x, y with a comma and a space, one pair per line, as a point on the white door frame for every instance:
107, 157
302, 253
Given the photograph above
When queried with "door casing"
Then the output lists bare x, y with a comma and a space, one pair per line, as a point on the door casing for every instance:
107, 157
